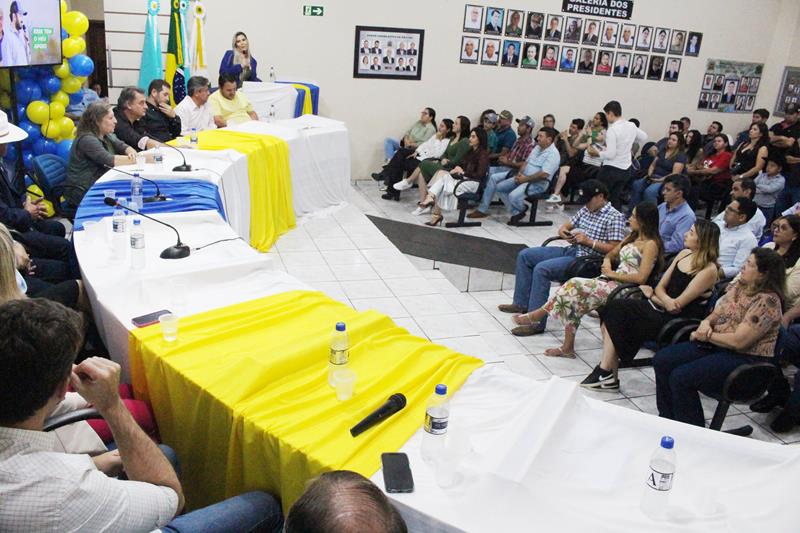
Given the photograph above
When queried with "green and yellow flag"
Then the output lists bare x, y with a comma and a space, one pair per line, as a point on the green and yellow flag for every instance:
178, 60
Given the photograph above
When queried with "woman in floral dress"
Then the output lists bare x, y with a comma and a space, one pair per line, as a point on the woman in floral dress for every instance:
637, 256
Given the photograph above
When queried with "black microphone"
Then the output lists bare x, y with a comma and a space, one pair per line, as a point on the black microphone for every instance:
157, 198
185, 167
395, 403
179, 251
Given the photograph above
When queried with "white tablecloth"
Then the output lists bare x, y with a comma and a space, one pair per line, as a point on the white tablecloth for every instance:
262, 95
545, 458
217, 276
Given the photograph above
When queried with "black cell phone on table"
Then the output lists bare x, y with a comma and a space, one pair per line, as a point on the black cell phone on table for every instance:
397, 473
148, 319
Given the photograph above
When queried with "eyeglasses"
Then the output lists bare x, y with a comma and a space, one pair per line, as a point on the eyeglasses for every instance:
729, 209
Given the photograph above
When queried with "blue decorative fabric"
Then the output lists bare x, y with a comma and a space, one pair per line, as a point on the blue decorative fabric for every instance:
300, 95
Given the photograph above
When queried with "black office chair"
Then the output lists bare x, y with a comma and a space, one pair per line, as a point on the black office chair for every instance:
533, 200
78, 415
587, 266
465, 199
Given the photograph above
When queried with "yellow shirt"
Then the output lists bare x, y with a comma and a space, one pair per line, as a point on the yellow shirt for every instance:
232, 111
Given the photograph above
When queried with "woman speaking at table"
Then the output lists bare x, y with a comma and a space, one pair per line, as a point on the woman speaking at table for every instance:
238, 60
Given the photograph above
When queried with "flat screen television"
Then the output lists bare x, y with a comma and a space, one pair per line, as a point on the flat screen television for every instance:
31, 33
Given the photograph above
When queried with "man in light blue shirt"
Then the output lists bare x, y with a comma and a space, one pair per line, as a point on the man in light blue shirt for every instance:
736, 241
535, 176
675, 217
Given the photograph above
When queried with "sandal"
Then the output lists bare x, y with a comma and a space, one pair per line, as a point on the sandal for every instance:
559, 352
523, 320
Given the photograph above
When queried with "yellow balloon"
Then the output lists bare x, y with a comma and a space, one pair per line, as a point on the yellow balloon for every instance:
62, 70
72, 46
71, 85
5, 101
38, 112
5, 80
61, 97
57, 110
64, 7
65, 127
75, 23
50, 129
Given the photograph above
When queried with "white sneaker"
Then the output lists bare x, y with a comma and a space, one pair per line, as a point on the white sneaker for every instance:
552, 208
382, 188
402, 185
554, 199
421, 211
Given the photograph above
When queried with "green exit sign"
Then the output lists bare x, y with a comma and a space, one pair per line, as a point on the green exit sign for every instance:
313, 11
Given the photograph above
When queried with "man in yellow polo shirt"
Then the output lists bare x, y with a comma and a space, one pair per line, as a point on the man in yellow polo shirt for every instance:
228, 105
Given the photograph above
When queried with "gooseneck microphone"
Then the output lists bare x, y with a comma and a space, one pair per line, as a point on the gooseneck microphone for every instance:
179, 251
185, 167
150, 199
395, 403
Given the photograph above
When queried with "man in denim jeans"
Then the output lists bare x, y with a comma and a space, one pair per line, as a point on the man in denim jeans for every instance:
594, 230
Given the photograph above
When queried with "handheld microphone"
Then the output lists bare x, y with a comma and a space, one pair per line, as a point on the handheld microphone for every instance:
157, 198
395, 403
185, 167
179, 251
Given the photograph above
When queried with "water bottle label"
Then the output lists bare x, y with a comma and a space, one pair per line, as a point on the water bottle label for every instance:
339, 357
435, 425
659, 481
137, 241
118, 226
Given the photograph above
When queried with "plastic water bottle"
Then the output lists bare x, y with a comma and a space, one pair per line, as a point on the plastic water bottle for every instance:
437, 416
118, 221
137, 245
655, 497
158, 160
340, 351
272, 74
136, 191
193, 136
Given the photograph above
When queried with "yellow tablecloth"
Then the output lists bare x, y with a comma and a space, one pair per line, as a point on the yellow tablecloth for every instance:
243, 397
271, 210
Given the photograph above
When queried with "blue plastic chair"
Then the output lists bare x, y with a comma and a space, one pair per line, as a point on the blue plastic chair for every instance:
50, 173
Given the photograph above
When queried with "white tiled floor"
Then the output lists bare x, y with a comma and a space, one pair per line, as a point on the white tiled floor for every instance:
346, 256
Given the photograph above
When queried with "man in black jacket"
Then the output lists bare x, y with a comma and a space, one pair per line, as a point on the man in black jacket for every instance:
130, 111
160, 119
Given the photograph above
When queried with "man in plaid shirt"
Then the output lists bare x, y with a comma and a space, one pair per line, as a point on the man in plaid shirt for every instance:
515, 160
594, 230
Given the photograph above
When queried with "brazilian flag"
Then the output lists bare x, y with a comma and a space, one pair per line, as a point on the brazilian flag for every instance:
178, 60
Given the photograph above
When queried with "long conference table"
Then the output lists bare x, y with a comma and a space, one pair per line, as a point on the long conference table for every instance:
243, 396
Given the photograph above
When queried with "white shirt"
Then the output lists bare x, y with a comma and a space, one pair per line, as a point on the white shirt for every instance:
619, 141
23, 286
433, 147
46, 491
201, 118
734, 247
756, 224
15, 50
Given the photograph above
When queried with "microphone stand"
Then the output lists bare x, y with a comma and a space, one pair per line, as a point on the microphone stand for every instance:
185, 167
150, 199
178, 251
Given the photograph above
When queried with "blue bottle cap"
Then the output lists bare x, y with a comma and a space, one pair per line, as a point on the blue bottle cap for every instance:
340, 326
441, 389
667, 442
137, 222
135, 174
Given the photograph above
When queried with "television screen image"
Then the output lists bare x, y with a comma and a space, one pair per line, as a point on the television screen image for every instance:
31, 33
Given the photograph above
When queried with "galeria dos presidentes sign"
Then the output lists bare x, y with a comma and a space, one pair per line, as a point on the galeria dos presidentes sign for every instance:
617, 9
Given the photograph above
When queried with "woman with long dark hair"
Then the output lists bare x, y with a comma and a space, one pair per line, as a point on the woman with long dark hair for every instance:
751, 156
671, 159
694, 148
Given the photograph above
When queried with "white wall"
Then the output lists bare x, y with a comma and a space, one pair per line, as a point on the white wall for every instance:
320, 50
93, 9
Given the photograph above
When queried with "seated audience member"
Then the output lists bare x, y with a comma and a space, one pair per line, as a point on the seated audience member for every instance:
195, 110
674, 214
682, 292
746, 188
750, 157
694, 149
671, 159
95, 147
760, 116
570, 157
687, 124
549, 121
675, 126
343, 502
130, 125
455, 151
406, 160
44, 490
89, 96
637, 257
713, 130
418, 133
735, 238
229, 105
596, 229
160, 119
784, 140
769, 184
472, 170
742, 329
635, 147
489, 125
512, 161
712, 177
505, 135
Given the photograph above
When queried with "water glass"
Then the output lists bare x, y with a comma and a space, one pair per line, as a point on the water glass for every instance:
92, 230
344, 380
110, 193
169, 327
141, 160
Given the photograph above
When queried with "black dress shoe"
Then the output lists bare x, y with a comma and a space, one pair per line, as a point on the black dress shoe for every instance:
378, 176
516, 219
784, 422
391, 195
768, 403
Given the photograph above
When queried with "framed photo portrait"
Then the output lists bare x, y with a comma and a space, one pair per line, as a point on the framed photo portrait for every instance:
591, 32
628, 36
490, 55
673, 69
729, 94
661, 40
644, 38
605, 63
473, 18
744, 84
534, 26
587, 61
639, 66
494, 21
510, 57
693, 42
569, 58
751, 100
395, 53
572, 31
470, 49
622, 65
550, 57
656, 68
610, 34
677, 42
713, 102
708, 82
514, 21
702, 102
530, 55
553, 30
719, 82
754, 83
740, 102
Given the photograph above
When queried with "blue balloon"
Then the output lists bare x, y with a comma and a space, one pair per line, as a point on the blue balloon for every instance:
24, 91
45, 146
64, 34
38, 147
36, 92
76, 98
21, 110
81, 65
63, 149
33, 131
12, 153
51, 84
27, 159
26, 73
